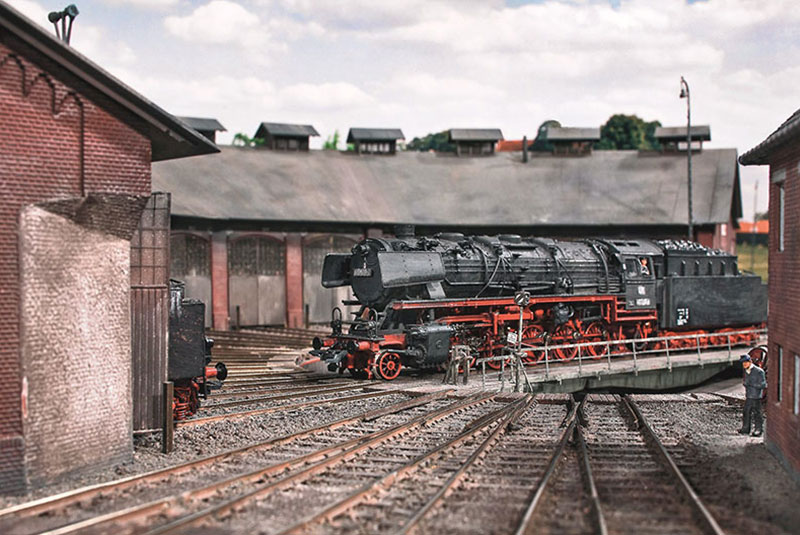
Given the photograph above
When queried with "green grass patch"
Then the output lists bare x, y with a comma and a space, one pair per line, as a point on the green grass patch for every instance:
755, 259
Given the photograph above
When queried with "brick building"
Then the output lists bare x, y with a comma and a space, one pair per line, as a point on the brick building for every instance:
76, 147
256, 253
781, 151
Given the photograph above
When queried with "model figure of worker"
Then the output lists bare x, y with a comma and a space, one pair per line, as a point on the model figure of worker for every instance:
754, 382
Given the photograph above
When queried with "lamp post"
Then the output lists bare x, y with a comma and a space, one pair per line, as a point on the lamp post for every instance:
685, 94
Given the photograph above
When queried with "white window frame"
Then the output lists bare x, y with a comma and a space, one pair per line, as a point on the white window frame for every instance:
780, 375
797, 384
781, 217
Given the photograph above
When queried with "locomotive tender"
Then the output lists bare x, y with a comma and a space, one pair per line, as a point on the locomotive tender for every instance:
421, 295
189, 353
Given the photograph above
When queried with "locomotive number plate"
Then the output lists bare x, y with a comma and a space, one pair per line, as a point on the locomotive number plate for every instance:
362, 272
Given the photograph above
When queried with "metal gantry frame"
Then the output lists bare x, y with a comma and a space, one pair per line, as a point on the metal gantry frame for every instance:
514, 358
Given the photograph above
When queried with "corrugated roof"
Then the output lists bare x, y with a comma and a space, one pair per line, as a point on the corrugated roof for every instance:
789, 130
475, 134
285, 129
678, 133
604, 188
761, 227
374, 134
169, 137
203, 124
510, 145
571, 133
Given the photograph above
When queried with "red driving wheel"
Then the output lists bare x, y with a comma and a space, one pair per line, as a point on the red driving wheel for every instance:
533, 335
388, 366
594, 332
562, 335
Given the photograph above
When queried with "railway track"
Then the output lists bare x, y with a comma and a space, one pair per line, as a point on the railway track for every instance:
124, 502
283, 407
430, 464
543, 471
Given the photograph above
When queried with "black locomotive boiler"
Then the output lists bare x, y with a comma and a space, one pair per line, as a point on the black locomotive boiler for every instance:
419, 296
189, 353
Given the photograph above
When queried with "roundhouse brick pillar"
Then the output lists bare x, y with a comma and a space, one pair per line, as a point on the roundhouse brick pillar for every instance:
219, 280
294, 281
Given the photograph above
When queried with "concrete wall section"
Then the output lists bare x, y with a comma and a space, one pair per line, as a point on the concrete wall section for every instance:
75, 349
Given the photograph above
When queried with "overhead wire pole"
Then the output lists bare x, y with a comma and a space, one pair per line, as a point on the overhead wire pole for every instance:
753, 233
685, 94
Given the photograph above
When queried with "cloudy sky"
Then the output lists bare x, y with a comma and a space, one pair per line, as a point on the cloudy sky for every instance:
429, 65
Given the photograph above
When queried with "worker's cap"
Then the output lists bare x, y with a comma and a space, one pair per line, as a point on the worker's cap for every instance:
745, 358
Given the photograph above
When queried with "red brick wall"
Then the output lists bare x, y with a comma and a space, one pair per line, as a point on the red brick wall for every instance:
41, 145
219, 280
294, 281
783, 429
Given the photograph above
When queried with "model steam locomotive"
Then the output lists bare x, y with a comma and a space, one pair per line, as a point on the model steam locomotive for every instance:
189, 353
419, 296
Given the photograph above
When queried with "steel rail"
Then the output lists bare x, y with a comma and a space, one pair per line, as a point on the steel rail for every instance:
600, 520
477, 454
570, 422
293, 395
225, 394
389, 479
700, 509
288, 406
330, 458
319, 460
58, 501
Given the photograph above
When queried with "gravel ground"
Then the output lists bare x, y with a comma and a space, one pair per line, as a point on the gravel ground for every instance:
735, 475
208, 439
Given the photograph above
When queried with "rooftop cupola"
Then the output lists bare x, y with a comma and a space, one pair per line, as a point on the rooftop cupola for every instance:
208, 127
283, 136
572, 141
673, 138
374, 140
474, 141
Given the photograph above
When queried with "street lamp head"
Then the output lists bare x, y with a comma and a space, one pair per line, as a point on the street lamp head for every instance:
684, 88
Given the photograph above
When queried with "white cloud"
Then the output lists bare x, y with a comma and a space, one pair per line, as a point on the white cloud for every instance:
221, 22
144, 4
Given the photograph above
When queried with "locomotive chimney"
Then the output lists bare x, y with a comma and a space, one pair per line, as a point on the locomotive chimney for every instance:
404, 231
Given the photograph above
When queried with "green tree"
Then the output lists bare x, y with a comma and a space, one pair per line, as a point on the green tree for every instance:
628, 132
540, 144
437, 142
243, 140
332, 143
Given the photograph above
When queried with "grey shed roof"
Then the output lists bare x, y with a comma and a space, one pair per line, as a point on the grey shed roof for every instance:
374, 134
789, 130
284, 129
604, 188
678, 133
203, 124
571, 133
169, 137
475, 134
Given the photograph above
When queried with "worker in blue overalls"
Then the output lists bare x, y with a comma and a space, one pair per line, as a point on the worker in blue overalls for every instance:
754, 381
